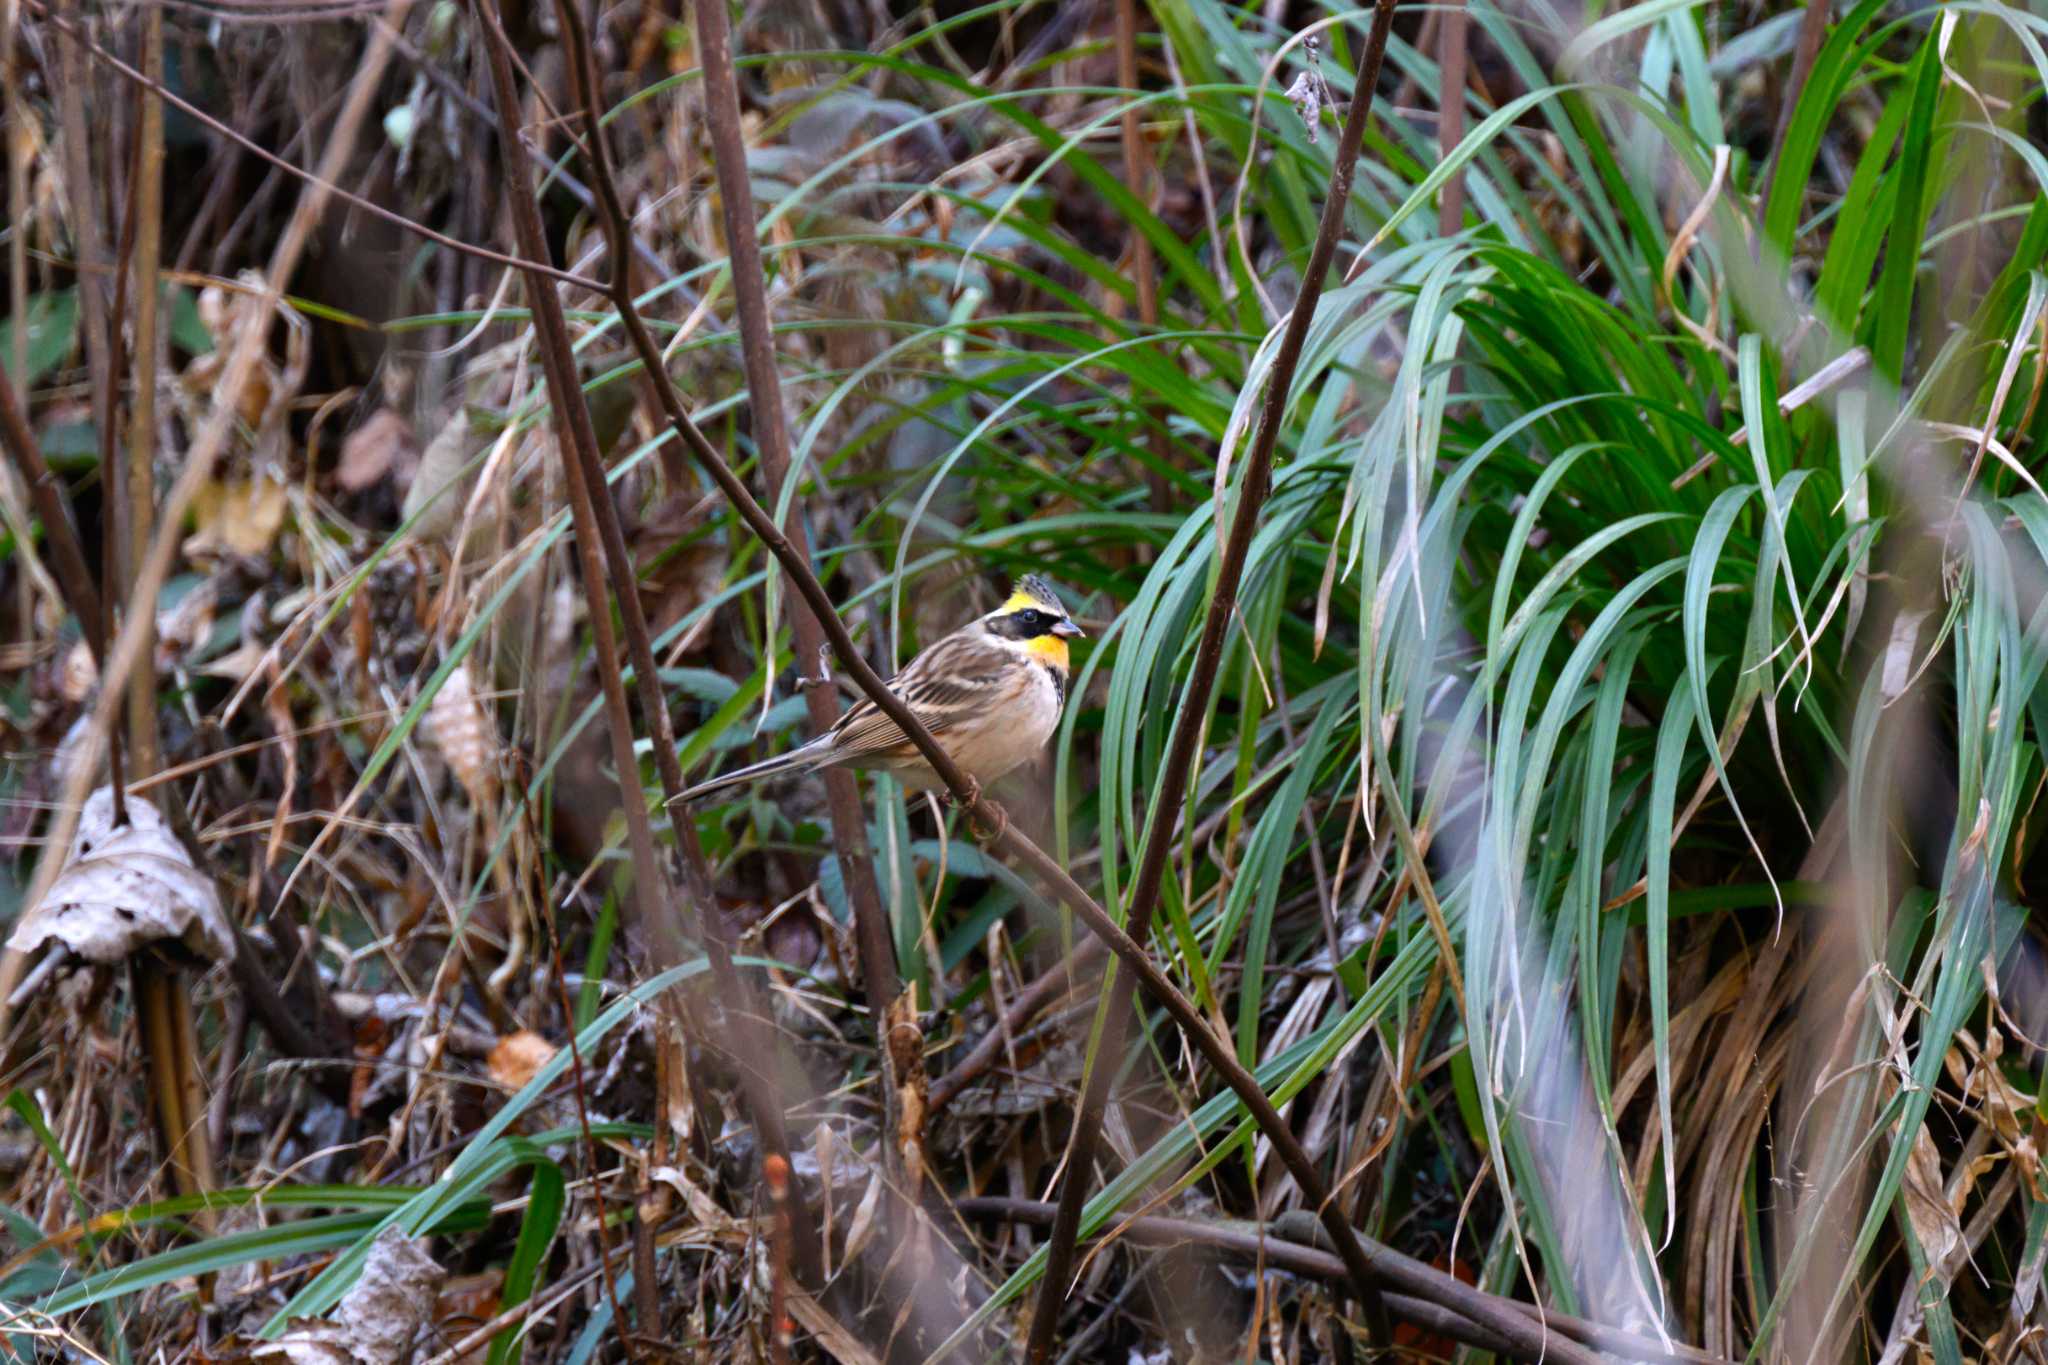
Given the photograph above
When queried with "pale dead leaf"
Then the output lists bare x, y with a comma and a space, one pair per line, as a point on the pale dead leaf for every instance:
382, 1313
237, 665
518, 1057
79, 676
382, 446
438, 489
1898, 654
187, 625
467, 735
1982, 1079
862, 1229
1934, 1222
201, 379
123, 888
241, 517
703, 1208
222, 312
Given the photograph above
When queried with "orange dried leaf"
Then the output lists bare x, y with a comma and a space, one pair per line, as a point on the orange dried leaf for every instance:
517, 1057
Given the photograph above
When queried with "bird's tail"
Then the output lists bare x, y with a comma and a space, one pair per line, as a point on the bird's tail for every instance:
799, 759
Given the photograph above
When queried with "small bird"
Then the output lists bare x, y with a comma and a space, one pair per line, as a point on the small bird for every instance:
990, 693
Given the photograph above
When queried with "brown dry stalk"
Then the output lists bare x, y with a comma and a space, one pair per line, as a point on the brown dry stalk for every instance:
596, 524
652, 897
18, 154
74, 580
1137, 177
1450, 113
879, 972
147, 219
756, 1048
1813, 30
164, 1014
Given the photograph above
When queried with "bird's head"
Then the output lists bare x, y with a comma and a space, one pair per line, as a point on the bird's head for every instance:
1034, 616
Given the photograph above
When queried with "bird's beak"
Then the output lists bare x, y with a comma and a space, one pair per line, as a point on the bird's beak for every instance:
1067, 630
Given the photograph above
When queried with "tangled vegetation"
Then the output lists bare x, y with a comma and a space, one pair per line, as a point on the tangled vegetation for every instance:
1562, 721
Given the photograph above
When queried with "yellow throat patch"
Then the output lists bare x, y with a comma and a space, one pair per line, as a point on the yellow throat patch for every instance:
1048, 649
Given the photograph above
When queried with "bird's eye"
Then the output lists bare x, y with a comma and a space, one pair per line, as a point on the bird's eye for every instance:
1031, 618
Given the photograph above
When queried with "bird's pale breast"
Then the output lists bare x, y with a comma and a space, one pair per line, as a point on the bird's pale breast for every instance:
1010, 731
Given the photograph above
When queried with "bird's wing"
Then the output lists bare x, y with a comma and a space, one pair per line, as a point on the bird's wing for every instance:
952, 682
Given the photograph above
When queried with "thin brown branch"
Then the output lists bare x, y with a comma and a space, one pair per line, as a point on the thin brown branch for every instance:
1428, 1297
1813, 29
145, 227
165, 1010
74, 580
574, 434
1450, 129
92, 270
879, 973
597, 525
19, 152
1194, 706
756, 1048
591, 1150
109, 359
34, 577
1137, 177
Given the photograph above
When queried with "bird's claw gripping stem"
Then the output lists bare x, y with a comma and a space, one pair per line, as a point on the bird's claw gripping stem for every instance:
978, 815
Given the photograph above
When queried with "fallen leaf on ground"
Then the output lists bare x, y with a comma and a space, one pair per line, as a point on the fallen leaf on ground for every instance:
383, 445
517, 1057
391, 1300
378, 1321
241, 518
125, 887
467, 735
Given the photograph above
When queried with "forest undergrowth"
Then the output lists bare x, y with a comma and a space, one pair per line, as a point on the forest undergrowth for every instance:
1535, 860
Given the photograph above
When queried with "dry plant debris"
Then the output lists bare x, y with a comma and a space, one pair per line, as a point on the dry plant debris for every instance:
1598, 782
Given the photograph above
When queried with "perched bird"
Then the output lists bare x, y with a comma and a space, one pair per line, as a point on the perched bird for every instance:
990, 693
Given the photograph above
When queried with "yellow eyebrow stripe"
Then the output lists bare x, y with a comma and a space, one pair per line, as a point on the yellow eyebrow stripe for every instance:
1019, 600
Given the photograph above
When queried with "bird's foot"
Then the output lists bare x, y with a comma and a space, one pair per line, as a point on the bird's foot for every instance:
989, 821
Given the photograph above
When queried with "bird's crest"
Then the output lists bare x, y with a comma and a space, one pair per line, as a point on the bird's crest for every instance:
1033, 590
